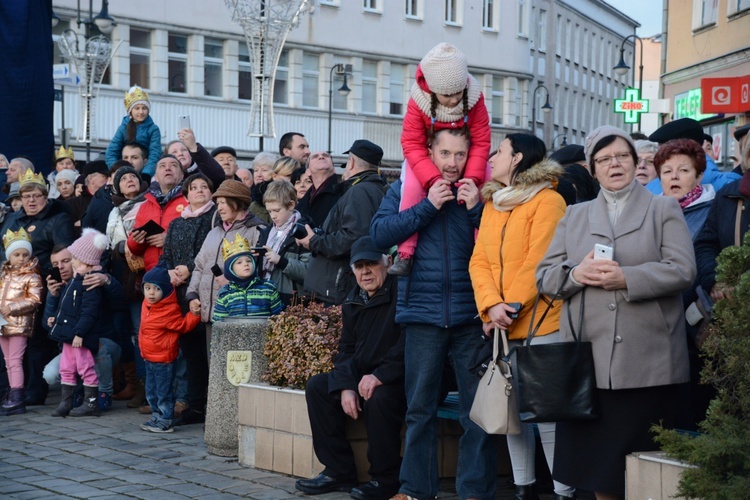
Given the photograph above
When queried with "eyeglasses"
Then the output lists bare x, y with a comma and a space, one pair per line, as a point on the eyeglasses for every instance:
28, 197
643, 161
606, 161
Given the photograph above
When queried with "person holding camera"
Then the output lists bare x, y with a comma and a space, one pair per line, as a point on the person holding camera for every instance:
283, 261
521, 212
329, 278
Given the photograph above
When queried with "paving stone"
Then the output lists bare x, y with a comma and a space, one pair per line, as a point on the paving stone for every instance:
79, 491
158, 494
9, 487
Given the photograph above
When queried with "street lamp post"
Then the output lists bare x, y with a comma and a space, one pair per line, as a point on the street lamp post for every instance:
623, 68
344, 90
564, 141
546, 108
90, 62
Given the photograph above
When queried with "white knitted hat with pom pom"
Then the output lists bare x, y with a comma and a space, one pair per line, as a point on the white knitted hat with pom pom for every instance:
89, 247
445, 70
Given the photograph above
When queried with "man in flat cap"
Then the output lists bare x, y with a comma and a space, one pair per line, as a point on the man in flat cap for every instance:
741, 136
687, 128
367, 382
328, 277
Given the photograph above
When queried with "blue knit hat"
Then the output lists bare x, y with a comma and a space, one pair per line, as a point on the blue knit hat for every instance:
159, 276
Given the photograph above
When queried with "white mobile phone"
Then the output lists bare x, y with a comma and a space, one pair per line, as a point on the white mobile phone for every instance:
184, 121
603, 252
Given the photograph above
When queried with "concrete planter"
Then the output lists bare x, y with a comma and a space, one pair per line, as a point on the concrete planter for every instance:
652, 475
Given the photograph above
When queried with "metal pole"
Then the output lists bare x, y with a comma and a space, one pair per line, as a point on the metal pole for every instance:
330, 103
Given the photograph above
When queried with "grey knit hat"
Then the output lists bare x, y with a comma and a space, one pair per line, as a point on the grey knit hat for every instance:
445, 69
600, 133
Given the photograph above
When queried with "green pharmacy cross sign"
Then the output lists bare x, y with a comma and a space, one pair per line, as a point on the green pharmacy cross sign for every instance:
632, 106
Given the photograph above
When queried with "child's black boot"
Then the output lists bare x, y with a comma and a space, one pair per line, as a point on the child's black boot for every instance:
66, 401
90, 406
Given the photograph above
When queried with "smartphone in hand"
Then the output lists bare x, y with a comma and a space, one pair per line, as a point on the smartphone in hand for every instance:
603, 252
184, 121
517, 306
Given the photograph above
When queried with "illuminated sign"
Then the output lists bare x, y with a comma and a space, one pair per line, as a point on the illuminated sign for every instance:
632, 106
726, 95
688, 105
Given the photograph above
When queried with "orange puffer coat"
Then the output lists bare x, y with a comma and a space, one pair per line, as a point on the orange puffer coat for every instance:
510, 245
161, 326
21, 290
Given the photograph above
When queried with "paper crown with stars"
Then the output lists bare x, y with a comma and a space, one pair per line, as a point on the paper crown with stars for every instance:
29, 177
136, 95
230, 249
12, 241
64, 153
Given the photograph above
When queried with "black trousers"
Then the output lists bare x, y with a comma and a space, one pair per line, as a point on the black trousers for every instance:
383, 414
39, 351
193, 345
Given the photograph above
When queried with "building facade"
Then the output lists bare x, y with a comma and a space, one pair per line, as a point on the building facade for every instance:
194, 61
707, 39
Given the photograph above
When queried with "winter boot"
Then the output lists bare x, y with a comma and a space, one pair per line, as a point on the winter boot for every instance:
105, 402
139, 394
14, 404
131, 383
526, 492
90, 406
402, 266
66, 401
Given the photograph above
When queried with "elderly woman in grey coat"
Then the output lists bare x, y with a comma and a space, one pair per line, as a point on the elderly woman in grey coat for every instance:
631, 309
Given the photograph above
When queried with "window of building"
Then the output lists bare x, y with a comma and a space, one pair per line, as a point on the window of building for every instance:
522, 24
280, 86
244, 73
369, 87
541, 31
498, 98
736, 6
574, 41
569, 38
559, 35
177, 63
414, 9
310, 80
373, 6
398, 84
705, 12
213, 62
490, 15
585, 46
453, 12
140, 58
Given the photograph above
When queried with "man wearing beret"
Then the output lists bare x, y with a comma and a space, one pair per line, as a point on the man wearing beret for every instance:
687, 128
740, 135
329, 278
367, 382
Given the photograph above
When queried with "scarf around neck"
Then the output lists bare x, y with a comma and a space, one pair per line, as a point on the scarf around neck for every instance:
189, 213
691, 196
276, 238
509, 197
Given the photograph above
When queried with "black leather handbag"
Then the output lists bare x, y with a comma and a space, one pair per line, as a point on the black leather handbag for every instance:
556, 382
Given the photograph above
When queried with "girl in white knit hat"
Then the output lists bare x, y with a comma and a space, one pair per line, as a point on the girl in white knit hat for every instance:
444, 96
136, 127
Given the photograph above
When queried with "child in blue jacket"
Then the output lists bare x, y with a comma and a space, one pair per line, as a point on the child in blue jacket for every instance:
137, 127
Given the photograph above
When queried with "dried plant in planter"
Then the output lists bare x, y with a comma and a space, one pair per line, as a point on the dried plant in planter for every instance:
302, 341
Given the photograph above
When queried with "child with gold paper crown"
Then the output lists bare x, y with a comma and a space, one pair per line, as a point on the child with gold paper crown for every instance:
137, 127
20, 292
64, 160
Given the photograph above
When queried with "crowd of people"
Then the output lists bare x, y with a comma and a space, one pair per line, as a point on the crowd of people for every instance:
113, 277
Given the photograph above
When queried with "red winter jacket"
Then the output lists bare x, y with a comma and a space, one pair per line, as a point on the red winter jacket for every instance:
161, 326
151, 210
416, 129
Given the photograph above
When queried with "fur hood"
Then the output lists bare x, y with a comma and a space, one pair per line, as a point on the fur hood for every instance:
545, 171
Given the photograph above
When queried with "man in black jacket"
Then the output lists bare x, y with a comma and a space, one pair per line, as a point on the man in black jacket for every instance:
328, 277
367, 380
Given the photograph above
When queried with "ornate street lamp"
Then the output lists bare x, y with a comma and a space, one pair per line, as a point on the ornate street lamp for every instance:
623, 68
546, 108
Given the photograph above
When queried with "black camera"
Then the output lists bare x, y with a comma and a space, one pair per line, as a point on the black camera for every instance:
300, 231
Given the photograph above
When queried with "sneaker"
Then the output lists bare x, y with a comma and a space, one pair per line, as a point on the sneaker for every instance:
105, 401
159, 428
402, 266
148, 424
179, 408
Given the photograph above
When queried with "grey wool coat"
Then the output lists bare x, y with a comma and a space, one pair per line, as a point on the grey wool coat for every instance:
638, 333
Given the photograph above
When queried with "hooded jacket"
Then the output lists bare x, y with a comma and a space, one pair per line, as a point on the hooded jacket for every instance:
147, 135
161, 326
202, 281
21, 290
417, 122
329, 277
510, 245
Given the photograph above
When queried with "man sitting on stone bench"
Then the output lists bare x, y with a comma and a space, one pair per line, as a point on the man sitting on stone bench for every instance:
367, 381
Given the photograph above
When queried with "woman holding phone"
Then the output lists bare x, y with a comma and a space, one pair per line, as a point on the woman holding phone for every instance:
520, 215
629, 308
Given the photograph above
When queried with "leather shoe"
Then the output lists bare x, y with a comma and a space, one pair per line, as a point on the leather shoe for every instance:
374, 491
323, 484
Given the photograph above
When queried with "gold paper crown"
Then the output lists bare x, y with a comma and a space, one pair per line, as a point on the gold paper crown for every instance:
64, 153
134, 95
29, 177
9, 237
229, 249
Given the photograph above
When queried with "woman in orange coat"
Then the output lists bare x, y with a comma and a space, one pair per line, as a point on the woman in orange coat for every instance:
519, 220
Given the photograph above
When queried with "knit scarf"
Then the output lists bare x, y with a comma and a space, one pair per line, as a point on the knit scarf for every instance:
509, 197
442, 113
691, 196
189, 213
276, 239
164, 198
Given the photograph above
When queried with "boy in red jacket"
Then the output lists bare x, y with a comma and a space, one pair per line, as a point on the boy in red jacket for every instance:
162, 323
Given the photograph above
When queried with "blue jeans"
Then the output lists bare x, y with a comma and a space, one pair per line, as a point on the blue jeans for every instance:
427, 348
135, 319
159, 392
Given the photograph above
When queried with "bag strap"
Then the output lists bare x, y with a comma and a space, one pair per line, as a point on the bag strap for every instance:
532, 328
737, 239
495, 343
580, 317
